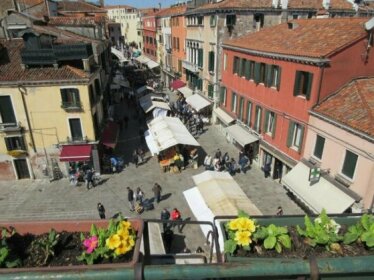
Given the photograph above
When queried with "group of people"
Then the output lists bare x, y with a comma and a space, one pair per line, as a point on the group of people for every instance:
137, 201
138, 157
175, 215
224, 163
83, 173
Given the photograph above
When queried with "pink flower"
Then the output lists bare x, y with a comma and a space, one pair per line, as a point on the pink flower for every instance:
90, 244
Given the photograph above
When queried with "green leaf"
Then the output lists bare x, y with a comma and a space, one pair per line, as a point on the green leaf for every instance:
12, 264
242, 214
269, 242
82, 237
285, 240
93, 230
350, 237
4, 252
272, 229
368, 238
260, 234
278, 248
282, 230
230, 246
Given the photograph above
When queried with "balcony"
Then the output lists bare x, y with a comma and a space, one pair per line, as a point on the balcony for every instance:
10, 127
190, 66
71, 106
56, 53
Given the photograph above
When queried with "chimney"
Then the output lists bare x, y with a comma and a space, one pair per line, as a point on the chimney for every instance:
101, 3
292, 25
159, 5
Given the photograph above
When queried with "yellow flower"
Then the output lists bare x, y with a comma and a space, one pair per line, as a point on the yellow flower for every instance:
243, 238
245, 224
113, 242
123, 233
233, 225
125, 225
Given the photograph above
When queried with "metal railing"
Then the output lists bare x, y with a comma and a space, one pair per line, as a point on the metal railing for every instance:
77, 105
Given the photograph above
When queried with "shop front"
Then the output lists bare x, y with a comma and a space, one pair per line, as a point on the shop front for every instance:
79, 158
223, 119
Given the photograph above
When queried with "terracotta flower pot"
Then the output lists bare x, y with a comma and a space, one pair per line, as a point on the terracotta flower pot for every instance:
73, 271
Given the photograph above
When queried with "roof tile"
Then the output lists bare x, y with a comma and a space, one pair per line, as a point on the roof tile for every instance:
176, 10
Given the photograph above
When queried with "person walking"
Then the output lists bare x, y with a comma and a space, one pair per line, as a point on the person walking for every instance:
176, 216
101, 210
165, 216
89, 179
218, 154
157, 192
130, 198
139, 195
135, 158
279, 211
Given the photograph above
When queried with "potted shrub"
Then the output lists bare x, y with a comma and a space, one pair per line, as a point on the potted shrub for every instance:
73, 248
297, 245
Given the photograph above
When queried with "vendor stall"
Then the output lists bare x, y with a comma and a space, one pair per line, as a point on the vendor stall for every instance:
201, 105
154, 105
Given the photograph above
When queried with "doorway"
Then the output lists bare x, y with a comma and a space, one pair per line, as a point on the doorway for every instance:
278, 169
22, 169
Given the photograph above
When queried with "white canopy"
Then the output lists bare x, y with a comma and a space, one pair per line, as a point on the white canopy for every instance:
152, 64
223, 116
241, 135
198, 102
317, 196
186, 91
151, 104
168, 132
142, 59
217, 194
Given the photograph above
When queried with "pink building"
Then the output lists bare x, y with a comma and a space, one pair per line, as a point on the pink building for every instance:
149, 36
340, 141
272, 78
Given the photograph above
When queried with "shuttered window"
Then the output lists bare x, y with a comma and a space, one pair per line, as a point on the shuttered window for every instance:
249, 113
200, 57
233, 102
6, 111
211, 61
295, 135
241, 109
257, 125
349, 165
318, 148
303, 84
222, 97
212, 21
235, 69
270, 123
247, 69
210, 91
242, 67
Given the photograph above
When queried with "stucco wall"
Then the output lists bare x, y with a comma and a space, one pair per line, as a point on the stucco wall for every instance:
337, 141
180, 32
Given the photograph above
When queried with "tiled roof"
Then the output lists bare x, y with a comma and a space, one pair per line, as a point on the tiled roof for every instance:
317, 4
66, 20
234, 4
30, 2
176, 10
112, 7
353, 105
11, 70
310, 38
148, 11
77, 6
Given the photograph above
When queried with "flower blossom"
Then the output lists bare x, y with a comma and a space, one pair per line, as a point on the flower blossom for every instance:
90, 244
243, 238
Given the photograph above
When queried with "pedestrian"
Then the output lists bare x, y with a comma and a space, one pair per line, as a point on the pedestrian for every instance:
89, 179
280, 211
176, 216
165, 216
243, 163
168, 236
250, 155
267, 169
241, 154
130, 198
135, 158
101, 210
157, 192
218, 154
139, 195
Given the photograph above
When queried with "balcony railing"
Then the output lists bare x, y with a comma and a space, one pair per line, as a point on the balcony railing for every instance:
55, 54
77, 105
189, 66
10, 127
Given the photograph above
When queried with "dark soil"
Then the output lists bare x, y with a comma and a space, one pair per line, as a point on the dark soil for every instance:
68, 248
300, 249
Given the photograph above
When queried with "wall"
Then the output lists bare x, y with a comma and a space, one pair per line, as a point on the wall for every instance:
337, 141
179, 31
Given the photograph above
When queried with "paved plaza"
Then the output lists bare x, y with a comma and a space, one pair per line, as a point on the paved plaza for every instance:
45, 200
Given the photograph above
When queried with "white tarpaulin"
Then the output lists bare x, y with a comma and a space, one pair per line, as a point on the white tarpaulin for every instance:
149, 105
159, 112
151, 64
317, 196
142, 59
223, 116
198, 102
186, 91
241, 135
217, 194
168, 132
152, 145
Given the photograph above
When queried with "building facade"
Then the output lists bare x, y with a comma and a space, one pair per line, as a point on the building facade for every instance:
150, 36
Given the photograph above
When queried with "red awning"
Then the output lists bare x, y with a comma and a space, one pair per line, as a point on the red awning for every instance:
110, 135
76, 153
177, 84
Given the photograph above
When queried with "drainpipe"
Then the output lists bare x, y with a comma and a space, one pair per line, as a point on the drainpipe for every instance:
216, 86
22, 90
320, 84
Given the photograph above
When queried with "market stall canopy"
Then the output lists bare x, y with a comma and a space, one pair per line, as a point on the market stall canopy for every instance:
143, 89
217, 194
198, 102
223, 116
241, 135
110, 135
142, 59
176, 84
152, 64
317, 196
152, 104
168, 132
76, 152
186, 91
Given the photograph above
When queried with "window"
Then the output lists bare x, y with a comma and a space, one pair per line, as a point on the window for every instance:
210, 91
242, 67
225, 61
233, 102
272, 76
211, 61
75, 129
222, 97
270, 123
349, 165
200, 57
303, 84
178, 44
15, 143
70, 97
212, 21
318, 148
295, 135
241, 109
249, 113
6, 111
200, 20
257, 126
235, 69
97, 87
230, 20
259, 73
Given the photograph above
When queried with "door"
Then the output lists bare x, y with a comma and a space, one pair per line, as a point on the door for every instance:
22, 169
278, 169
76, 129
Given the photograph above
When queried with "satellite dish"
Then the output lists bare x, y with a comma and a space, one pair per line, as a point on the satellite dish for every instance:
369, 24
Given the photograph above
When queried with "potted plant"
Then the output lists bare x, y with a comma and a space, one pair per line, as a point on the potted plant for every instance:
297, 245
72, 249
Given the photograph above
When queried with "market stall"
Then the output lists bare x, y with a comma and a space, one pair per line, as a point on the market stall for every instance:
154, 105
200, 104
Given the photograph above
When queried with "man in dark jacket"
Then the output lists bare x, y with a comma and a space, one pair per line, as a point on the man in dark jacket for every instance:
89, 179
101, 210
157, 192
130, 198
165, 216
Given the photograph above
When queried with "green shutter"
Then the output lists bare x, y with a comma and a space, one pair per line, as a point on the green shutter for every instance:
257, 72
349, 164
296, 89
200, 58
249, 113
266, 121
274, 125
235, 65
232, 101
211, 61
309, 86
291, 128
242, 66
247, 69
301, 138
251, 70
222, 95
210, 91
268, 75
200, 84
279, 78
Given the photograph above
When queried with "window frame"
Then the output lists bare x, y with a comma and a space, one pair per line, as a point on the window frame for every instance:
315, 155
74, 96
249, 113
234, 101
223, 93
303, 84
70, 128
213, 20
10, 146
344, 164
